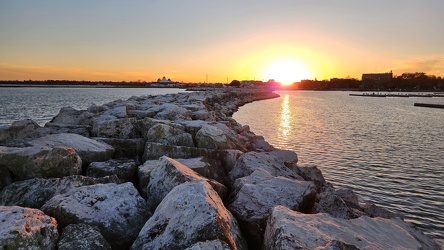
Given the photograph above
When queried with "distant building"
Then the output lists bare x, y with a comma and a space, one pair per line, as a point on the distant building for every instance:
376, 80
164, 80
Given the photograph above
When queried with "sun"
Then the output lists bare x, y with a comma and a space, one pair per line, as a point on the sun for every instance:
287, 72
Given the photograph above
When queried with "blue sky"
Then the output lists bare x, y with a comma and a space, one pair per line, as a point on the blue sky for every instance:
187, 40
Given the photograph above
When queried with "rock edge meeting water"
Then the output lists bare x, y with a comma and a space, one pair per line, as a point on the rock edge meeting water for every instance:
385, 149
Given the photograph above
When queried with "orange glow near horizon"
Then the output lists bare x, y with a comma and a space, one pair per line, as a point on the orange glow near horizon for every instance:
287, 72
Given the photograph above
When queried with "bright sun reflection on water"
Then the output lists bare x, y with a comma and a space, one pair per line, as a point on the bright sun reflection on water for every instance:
284, 131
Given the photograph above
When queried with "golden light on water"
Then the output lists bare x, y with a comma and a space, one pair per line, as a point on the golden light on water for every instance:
284, 131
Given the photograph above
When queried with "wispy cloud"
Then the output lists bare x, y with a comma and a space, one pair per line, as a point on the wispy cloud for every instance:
430, 65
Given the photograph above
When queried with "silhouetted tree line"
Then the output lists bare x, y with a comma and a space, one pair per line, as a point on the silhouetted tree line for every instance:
418, 81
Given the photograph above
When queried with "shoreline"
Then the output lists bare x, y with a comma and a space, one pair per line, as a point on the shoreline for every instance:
187, 140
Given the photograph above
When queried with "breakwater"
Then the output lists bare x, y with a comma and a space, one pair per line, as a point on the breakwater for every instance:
175, 172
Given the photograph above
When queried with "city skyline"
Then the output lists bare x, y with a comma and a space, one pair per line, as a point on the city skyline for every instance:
218, 41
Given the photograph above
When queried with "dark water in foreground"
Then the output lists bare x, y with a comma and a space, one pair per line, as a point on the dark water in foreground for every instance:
385, 149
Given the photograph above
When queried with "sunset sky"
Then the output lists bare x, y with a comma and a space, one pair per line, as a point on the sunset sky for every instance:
223, 40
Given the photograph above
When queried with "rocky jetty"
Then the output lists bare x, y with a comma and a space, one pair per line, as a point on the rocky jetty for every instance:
175, 172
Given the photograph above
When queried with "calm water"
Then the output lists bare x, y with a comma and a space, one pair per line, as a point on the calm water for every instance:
42, 104
385, 149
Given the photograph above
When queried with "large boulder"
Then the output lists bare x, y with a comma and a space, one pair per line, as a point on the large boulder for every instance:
58, 128
116, 209
154, 150
212, 137
349, 197
111, 127
144, 174
19, 131
329, 202
287, 229
252, 161
35, 192
166, 134
131, 148
123, 168
193, 126
173, 112
170, 173
68, 115
254, 196
208, 168
118, 112
82, 237
27, 228
311, 173
192, 212
88, 149
44, 162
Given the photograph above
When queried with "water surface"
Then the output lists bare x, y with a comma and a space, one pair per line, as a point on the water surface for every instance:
42, 104
385, 149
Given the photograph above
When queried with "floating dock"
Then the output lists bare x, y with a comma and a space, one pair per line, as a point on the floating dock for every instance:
397, 95
429, 105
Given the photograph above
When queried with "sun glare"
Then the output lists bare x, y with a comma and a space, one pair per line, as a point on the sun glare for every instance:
287, 72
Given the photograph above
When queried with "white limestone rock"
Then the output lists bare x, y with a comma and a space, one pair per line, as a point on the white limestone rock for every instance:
118, 112
147, 123
82, 237
212, 137
88, 149
122, 128
35, 192
287, 229
166, 134
203, 115
193, 126
173, 112
123, 168
192, 212
68, 115
170, 173
116, 209
251, 161
26, 228
44, 162
254, 196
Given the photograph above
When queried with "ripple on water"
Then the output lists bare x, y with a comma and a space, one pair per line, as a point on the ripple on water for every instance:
388, 151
